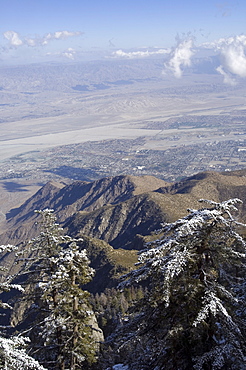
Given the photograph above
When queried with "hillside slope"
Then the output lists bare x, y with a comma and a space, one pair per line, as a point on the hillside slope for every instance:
120, 212
117, 208
66, 200
211, 185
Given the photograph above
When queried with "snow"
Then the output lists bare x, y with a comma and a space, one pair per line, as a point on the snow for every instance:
196, 251
120, 367
15, 355
7, 248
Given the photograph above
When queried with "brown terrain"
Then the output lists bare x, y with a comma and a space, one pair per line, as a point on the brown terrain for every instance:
115, 215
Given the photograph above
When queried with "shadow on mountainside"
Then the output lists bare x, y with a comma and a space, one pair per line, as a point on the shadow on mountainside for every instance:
75, 173
13, 187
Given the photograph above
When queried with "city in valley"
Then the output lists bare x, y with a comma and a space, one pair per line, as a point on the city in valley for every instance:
83, 121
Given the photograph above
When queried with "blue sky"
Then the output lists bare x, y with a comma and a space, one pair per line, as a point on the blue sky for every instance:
130, 23
41, 30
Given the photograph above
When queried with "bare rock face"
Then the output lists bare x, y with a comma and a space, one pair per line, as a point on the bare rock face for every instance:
115, 209
120, 223
120, 209
66, 200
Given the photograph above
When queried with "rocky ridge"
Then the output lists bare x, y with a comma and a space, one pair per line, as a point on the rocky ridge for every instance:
117, 214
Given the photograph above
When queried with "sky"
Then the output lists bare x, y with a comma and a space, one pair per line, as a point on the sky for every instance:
34, 31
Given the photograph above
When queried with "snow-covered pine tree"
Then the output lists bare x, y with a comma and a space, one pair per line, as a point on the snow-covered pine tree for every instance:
13, 353
58, 270
67, 325
6, 285
194, 315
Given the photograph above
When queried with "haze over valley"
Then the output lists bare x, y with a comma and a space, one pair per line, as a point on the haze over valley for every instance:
89, 90
93, 119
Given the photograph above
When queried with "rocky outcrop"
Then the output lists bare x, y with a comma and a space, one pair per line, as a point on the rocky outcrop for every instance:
116, 209
66, 200
118, 213
211, 185
119, 224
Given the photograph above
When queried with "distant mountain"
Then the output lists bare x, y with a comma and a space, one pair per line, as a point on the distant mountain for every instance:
66, 200
117, 208
210, 185
117, 214
70, 200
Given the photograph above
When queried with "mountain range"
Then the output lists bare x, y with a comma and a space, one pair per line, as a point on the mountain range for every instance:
116, 215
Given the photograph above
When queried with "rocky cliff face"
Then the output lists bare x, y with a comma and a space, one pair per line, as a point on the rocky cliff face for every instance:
117, 208
66, 200
121, 210
119, 224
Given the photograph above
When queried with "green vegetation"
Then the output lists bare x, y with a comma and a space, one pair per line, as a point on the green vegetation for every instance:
182, 308
193, 316
13, 349
62, 336
111, 307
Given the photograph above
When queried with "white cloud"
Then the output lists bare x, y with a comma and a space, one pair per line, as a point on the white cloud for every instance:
59, 35
69, 53
31, 42
139, 54
180, 57
13, 38
228, 79
232, 56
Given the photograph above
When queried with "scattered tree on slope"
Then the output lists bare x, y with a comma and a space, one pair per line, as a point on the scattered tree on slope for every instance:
13, 353
59, 269
194, 314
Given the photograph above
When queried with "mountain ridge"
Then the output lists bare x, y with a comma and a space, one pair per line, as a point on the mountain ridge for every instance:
120, 213
89, 206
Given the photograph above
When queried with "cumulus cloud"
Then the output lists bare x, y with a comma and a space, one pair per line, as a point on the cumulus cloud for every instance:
69, 53
31, 42
179, 57
13, 38
232, 56
139, 54
228, 79
59, 35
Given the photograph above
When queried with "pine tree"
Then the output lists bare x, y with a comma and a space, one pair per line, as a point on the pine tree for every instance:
13, 354
194, 314
6, 285
58, 270
67, 325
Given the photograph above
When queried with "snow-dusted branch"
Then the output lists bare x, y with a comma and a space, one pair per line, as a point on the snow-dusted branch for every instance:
13, 355
198, 264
